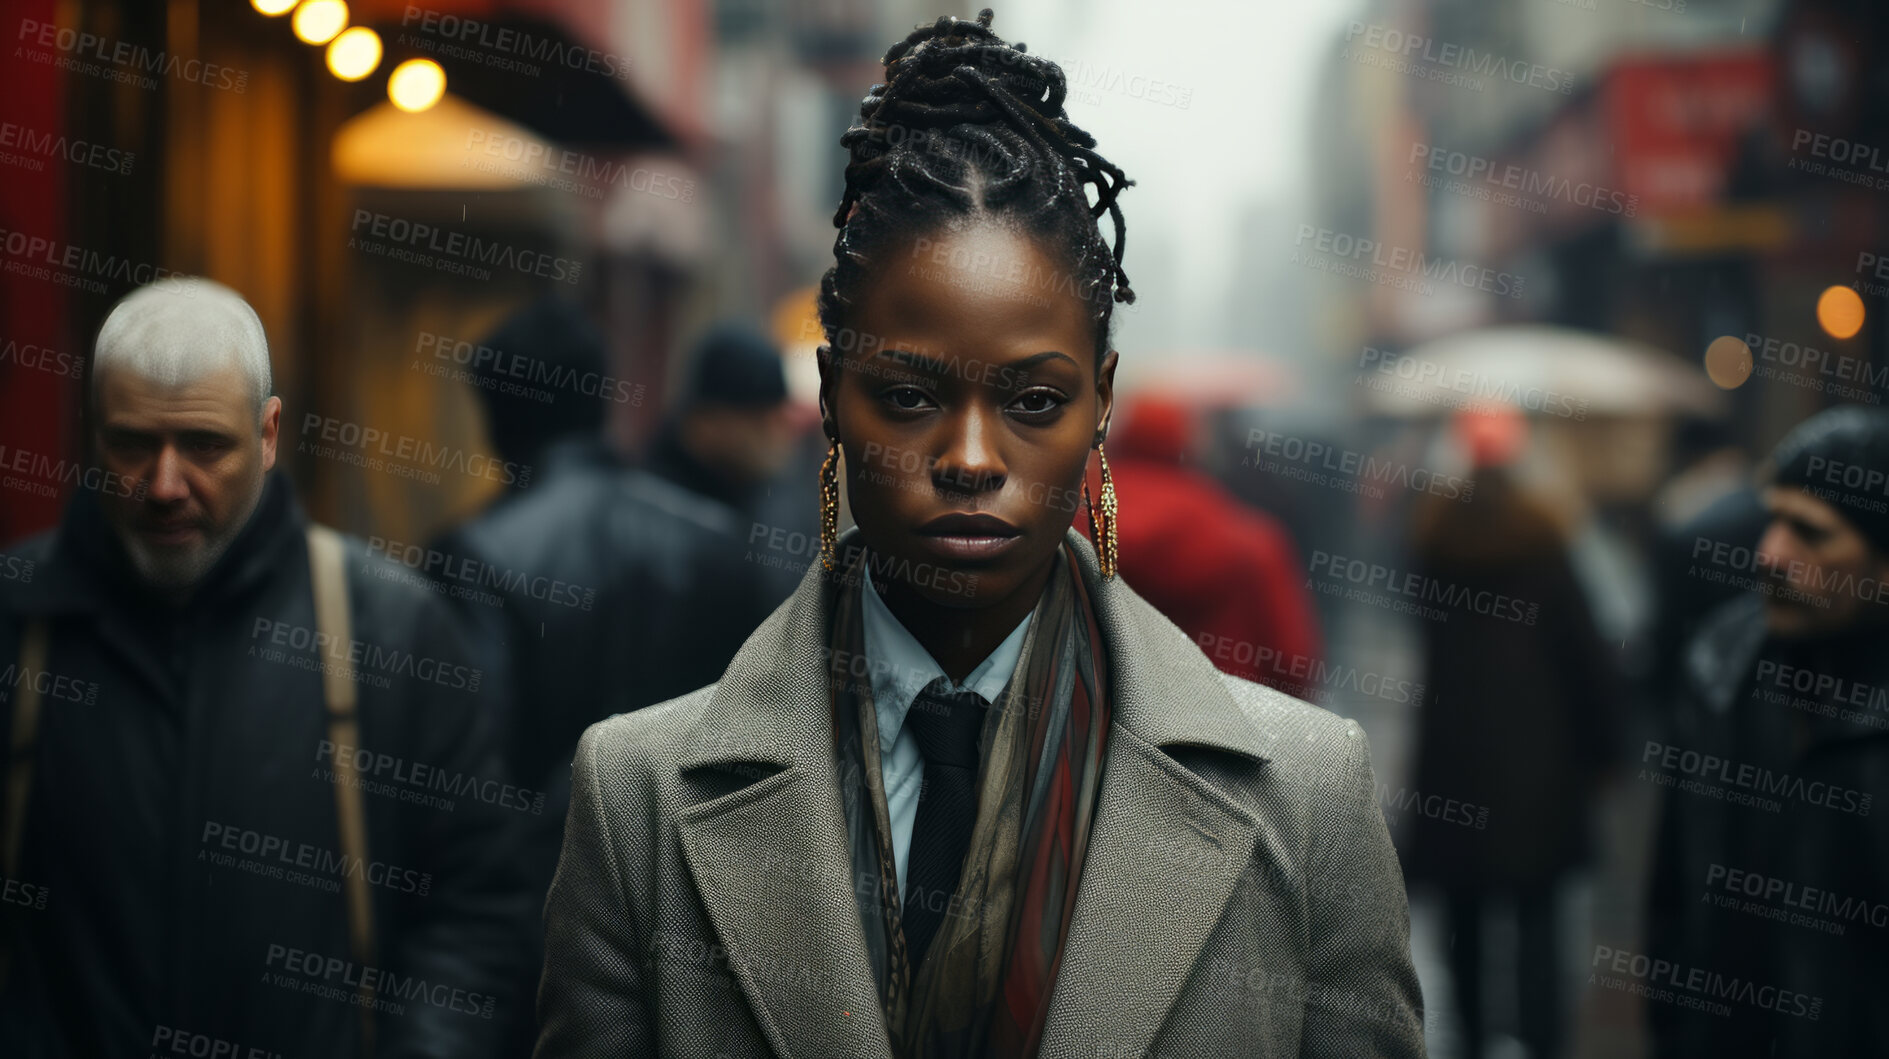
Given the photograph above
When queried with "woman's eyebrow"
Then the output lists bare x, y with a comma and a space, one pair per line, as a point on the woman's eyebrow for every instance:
926, 362
1049, 354
912, 359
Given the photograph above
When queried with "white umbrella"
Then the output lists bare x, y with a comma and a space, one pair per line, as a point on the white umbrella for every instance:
1537, 369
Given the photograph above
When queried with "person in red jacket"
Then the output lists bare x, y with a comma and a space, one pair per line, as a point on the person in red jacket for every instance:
1227, 574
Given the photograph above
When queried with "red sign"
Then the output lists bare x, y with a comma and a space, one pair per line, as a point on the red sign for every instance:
1676, 123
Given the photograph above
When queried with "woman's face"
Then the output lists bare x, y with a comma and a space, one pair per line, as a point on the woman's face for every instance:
966, 398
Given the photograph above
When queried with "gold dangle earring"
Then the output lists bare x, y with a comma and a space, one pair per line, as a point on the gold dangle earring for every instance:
1103, 534
830, 505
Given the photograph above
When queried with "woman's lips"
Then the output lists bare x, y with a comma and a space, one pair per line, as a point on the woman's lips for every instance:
968, 535
970, 547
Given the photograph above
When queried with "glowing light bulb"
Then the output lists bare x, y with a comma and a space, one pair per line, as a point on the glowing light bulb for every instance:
317, 21
416, 84
1840, 311
354, 54
1728, 362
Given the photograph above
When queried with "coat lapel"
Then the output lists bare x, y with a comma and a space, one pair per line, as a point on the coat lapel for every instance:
1167, 849
772, 868
770, 860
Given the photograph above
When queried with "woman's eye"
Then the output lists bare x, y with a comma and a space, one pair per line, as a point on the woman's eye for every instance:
906, 398
1038, 402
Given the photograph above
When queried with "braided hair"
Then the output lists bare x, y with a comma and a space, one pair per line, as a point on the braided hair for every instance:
968, 126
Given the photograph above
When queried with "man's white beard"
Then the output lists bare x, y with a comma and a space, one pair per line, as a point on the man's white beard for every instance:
180, 569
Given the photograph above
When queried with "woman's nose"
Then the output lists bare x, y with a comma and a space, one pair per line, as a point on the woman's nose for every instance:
970, 462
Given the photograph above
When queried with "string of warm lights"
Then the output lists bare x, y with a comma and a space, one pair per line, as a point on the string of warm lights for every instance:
354, 52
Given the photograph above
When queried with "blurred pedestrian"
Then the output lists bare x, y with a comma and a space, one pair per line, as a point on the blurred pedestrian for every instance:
1517, 729
1709, 500
1227, 574
597, 590
615, 587
253, 778
731, 431
731, 435
1771, 868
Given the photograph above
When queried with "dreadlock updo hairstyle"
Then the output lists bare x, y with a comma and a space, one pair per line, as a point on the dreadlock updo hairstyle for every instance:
968, 127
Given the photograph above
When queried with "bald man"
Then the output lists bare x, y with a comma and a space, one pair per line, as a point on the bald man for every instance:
254, 804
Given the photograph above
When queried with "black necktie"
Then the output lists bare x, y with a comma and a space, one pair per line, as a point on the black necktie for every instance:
946, 727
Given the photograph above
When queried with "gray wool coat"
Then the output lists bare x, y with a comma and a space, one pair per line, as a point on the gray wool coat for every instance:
1240, 896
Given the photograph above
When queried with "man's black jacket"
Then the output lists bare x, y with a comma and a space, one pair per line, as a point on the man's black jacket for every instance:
181, 841
1770, 899
600, 590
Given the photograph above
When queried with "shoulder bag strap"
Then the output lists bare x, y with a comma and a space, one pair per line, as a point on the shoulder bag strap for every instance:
34, 646
32, 660
327, 565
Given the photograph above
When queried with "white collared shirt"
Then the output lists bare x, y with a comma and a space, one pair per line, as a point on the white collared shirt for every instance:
901, 668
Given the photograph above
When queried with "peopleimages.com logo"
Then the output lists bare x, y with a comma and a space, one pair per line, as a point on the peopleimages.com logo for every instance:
1788, 901
1700, 988
275, 857
170, 1040
118, 60
28, 148
459, 37
407, 777
1343, 253
1488, 180
431, 246
24, 894
1744, 783
1366, 575
1458, 58
347, 979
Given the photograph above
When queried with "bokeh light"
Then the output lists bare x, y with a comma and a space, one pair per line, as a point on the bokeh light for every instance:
416, 84
1840, 311
272, 8
354, 54
1728, 362
317, 21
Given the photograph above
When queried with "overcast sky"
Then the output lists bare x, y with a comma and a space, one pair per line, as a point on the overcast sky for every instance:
1247, 67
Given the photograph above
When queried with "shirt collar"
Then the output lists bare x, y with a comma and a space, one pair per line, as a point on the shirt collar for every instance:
901, 667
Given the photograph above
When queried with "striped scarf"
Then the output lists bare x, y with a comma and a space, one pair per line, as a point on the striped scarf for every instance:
985, 988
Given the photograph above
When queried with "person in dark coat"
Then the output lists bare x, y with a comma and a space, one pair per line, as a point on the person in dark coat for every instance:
1710, 502
1518, 727
734, 437
601, 588
182, 830
1227, 574
730, 431
598, 590
1770, 892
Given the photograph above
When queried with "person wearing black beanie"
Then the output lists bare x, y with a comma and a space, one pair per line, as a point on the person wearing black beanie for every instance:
730, 432
1769, 869
1826, 550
